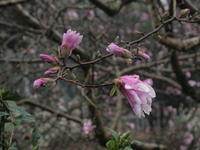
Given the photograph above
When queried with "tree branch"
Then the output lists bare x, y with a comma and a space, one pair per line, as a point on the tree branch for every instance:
51, 110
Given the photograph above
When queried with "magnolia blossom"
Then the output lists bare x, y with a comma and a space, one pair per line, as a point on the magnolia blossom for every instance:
40, 82
48, 58
71, 39
87, 127
118, 51
138, 93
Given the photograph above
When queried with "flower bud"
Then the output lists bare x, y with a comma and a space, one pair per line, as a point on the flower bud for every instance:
184, 13
41, 82
143, 54
49, 58
52, 70
118, 51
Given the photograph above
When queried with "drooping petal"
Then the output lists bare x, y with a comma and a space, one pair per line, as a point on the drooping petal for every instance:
146, 108
138, 110
138, 93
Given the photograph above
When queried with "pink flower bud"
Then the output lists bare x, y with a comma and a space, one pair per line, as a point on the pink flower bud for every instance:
52, 70
185, 12
143, 54
71, 39
72, 14
90, 14
118, 51
48, 58
41, 81
101, 27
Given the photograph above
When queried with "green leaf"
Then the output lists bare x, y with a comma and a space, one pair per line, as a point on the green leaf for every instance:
13, 147
26, 117
9, 127
35, 137
35, 147
114, 133
137, 142
113, 90
128, 148
20, 112
3, 114
111, 145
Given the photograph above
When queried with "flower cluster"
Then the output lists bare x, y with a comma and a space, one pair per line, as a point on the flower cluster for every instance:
71, 39
139, 93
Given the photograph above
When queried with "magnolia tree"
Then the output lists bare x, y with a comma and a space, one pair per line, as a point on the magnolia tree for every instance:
102, 79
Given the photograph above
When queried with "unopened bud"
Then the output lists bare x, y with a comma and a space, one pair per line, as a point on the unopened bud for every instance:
184, 13
42, 82
52, 70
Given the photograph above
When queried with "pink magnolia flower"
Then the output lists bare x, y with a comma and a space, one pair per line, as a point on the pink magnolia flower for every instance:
87, 127
71, 39
48, 58
41, 81
118, 51
138, 93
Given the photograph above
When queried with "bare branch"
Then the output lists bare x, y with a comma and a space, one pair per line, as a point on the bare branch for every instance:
52, 110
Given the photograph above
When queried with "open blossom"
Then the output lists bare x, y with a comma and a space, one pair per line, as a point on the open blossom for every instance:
87, 127
71, 39
40, 82
138, 93
48, 58
118, 51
